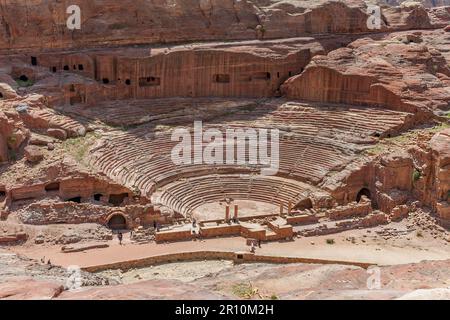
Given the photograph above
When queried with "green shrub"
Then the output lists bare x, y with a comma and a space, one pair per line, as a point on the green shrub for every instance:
12, 155
244, 290
330, 241
416, 175
22, 83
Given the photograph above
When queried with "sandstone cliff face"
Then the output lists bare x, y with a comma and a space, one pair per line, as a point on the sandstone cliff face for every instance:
12, 134
42, 24
408, 77
440, 146
425, 3
236, 69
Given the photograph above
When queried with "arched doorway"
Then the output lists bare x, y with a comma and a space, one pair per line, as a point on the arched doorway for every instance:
304, 204
363, 192
117, 222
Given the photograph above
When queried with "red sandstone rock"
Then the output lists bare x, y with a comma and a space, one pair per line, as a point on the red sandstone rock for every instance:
399, 213
29, 290
394, 75
57, 133
12, 133
440, 145
33, 154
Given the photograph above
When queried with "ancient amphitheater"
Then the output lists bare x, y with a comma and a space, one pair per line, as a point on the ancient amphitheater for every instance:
87, 123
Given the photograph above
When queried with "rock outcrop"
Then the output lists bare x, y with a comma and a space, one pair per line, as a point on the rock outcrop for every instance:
29, 289
440, 146
407, 77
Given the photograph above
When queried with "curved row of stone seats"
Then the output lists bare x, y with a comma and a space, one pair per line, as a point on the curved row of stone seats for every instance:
363, 121
128, 161
147, 110
186, 195
316, 143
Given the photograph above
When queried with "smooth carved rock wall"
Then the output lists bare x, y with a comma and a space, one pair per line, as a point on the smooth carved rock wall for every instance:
401, 76
323, 84
221, 71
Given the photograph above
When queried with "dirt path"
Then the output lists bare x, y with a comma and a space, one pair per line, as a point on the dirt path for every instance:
366, 248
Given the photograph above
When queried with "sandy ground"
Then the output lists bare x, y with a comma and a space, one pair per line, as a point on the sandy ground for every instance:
364, 245
182, 271
216, 210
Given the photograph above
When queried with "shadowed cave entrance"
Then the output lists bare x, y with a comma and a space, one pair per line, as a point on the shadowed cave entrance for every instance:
117, 222
304, 204
117, 199
363, 192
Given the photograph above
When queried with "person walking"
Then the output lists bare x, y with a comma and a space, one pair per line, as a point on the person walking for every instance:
120, 237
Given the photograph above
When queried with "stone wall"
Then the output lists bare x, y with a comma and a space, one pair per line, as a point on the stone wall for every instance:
237, 257
280, 229
45, 213
372, 220
352, 210
220, 230
302, 219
